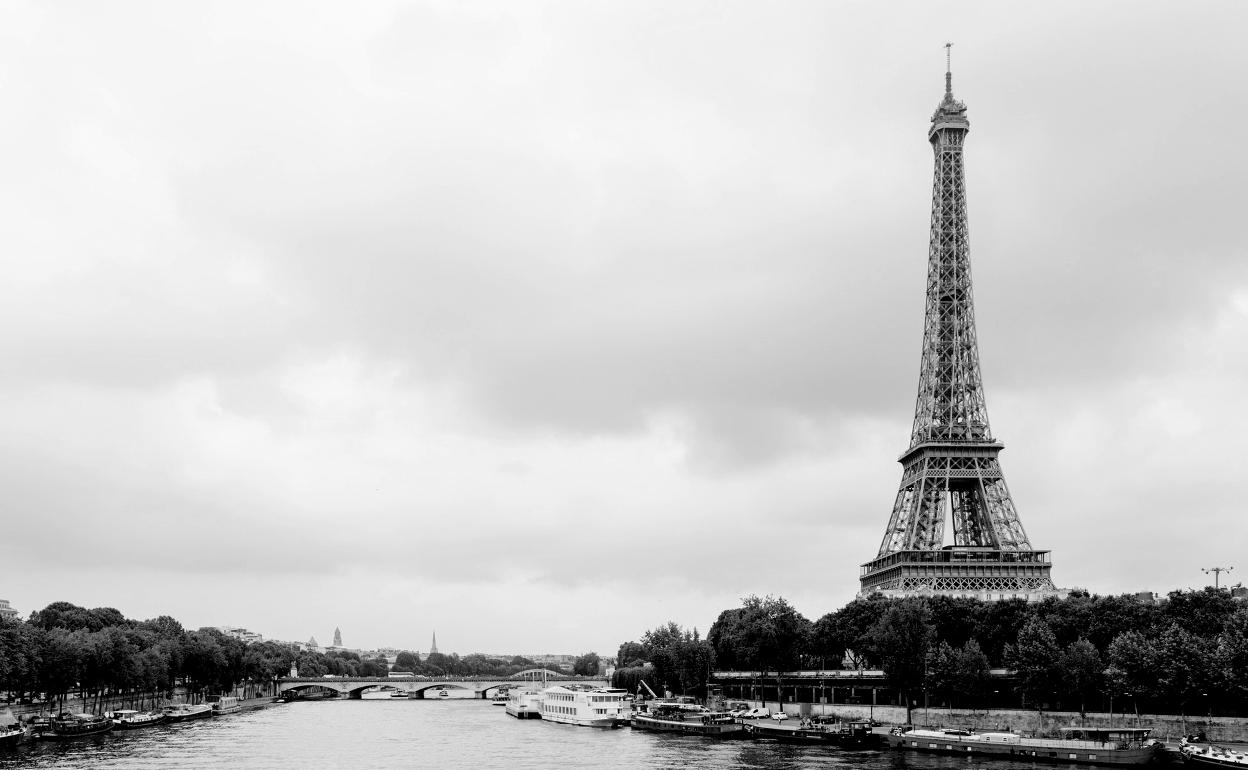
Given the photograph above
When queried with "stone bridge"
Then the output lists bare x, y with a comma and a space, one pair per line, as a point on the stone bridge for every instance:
416, 686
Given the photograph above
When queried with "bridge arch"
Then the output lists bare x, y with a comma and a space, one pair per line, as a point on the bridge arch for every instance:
534, 673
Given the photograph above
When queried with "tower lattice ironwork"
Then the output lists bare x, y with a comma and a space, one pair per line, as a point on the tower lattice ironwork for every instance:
951, 472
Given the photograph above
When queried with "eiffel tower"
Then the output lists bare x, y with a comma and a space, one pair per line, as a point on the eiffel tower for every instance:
951, 472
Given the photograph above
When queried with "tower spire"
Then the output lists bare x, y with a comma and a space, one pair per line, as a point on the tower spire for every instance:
951, 472
948, 72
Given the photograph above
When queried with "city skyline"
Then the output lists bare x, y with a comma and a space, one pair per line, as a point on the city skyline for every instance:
546, 324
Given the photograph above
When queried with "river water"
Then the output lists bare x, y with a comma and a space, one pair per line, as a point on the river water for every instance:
455, 735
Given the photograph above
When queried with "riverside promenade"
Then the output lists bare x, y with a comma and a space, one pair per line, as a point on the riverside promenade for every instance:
1166, 727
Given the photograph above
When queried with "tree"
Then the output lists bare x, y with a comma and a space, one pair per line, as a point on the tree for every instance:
763, 634
64, 615
1132, 663
681, 659
586, 665
631, 678
1035, 661
973, 674
998, 626
407, 661
1080, 670
902, 638
1202, 613
1232, 654
834, 635
630, 654
1183, 666
940, 673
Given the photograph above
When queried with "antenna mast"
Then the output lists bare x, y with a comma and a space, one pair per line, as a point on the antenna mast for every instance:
948, 69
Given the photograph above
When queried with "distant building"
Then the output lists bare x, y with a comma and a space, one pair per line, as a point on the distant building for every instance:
7, 612
241, 634
337, 637
1239, 593
433, 649
312, 645
564, 661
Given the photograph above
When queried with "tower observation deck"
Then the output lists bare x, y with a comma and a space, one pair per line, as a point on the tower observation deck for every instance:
950, 473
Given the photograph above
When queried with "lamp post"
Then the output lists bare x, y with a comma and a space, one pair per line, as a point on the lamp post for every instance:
1217, 572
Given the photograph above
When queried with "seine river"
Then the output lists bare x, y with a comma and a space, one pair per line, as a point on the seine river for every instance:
417, 734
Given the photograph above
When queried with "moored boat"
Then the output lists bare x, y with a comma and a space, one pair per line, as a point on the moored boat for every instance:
184, 712
854, 734
130, 719
1212, 755
77, 725
781, 732
848, 734
11, 731
1096, 746
584, 706
524, 704
677, 718
224, 704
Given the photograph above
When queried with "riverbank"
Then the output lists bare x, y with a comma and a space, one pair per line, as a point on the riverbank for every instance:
1166, 727
76, 705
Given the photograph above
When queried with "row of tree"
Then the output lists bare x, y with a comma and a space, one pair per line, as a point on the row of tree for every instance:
437, 664
96, 653
1189, 650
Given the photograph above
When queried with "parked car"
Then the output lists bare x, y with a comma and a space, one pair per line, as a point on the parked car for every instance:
779, 716
756, 713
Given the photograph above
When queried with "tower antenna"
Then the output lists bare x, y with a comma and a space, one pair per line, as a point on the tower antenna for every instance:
948, 69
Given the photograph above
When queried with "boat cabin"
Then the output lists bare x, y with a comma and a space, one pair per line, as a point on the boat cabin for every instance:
1128, 735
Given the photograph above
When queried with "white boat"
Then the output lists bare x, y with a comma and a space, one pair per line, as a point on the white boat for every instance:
1210, 755
224, 704
130, 719
524, 704
585, 706
183, 712
11, 731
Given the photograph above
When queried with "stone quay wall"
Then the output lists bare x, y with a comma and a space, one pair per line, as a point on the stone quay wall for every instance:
1165, 727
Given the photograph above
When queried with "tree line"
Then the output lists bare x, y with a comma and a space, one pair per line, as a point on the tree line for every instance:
437, 664
98, 653
1187, 653
94, 654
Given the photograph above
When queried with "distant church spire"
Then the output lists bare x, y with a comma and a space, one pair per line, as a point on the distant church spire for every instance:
433, 649
337, 637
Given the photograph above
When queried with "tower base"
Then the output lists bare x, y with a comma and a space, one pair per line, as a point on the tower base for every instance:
969, 572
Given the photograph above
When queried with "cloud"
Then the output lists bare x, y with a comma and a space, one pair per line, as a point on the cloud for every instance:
563, 303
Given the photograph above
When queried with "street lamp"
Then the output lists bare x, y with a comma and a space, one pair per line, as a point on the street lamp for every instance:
1217, 572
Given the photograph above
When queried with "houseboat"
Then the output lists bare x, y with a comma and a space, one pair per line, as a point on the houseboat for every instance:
588, 706
680, 718
849, 735
524, 704
1093, 746
184, 712
129, 719
77, 725
224, 704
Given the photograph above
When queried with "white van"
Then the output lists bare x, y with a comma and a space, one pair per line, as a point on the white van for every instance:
756, 713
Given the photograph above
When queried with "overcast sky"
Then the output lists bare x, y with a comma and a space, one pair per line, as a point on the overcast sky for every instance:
542, 324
